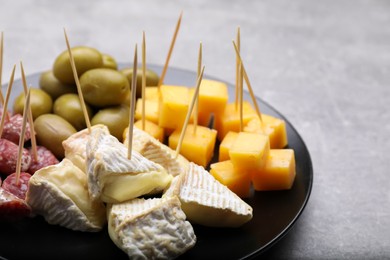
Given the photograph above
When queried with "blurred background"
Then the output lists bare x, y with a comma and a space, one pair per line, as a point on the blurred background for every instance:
325, 65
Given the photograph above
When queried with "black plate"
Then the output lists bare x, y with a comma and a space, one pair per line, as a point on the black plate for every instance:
274, 212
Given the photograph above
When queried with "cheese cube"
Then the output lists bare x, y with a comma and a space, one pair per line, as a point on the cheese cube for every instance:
173, 106
237, 181
213, 97
278, 173
152, 129
274, 127
230, 119
198, 147
151, 93
249, 152
151, 110
225, 146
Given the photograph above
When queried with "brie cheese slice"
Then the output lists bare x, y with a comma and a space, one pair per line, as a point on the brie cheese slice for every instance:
206, 201
157, 152
113, 178
59, 193
150, 229
75, 146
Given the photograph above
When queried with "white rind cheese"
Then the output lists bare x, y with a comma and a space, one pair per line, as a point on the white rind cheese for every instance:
113, 178
157, 152
150, 229
206, 201
75, 146
59, 193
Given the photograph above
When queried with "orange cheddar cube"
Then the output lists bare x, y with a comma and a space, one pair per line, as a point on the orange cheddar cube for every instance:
151, 110
278, 173
274, 127
198, 147
249, 151
173, 106
152, 129
225, 146
151, 93
236, 181
230, 119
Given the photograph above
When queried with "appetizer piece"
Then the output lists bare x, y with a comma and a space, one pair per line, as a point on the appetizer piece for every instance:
152, 129
151, 110
9, 157
173, 106
237, 181
278, 173
150, 229
44, 158
225, 146
13, 127
157, 152
114, 178
20, 188
230, 119
213, 97
75, 146
12, 208
274, 127
249, 151
60, 194
198, 146
206, 201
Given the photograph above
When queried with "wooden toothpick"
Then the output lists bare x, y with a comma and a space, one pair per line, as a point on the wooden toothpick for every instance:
30, 117
197, 98
11, 82
21, 139
241, 91
194, 98
249, 85
162, 77
238, 77
76, 78
132, 105
1, 67
143, 79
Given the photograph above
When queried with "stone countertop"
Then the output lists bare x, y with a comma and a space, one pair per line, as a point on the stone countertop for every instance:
325, 65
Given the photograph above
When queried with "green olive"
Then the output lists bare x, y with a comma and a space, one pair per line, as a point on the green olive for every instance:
151, 78
109, 62
115, 118
68, 107
85, 58
104, 87
40, 102
51, 130
52, 86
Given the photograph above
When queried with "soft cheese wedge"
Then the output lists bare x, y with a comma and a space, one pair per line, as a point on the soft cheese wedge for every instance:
156, 151
60, 194
150, 229
207, 202
75, 146
113, 178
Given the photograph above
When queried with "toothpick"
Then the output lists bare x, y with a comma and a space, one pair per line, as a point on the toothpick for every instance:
162, 77
1, 67
143, 79
132, 105
238, 68
241, 85
11, 82
249, 85
21, 139
194, 98
30, 117
76, 78
197, 98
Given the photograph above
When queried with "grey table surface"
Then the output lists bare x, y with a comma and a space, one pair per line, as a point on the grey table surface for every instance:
325, 65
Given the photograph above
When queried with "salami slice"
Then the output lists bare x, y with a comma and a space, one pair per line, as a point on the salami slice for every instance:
9, 157
19, 190
12, 208
45, 158
13, 127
